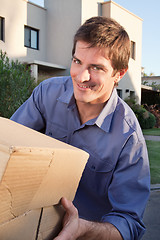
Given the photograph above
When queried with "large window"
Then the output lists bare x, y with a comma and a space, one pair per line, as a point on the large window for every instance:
2, 28
31, 37
133, 50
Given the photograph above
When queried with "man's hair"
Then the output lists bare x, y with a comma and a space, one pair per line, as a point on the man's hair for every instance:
106, 33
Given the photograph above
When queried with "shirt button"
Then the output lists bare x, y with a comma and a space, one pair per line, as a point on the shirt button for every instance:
93, 167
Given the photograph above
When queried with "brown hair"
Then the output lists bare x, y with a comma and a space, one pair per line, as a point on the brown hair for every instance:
106, 33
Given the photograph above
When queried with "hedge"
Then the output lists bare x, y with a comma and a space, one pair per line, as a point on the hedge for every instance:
16, 84
146, 119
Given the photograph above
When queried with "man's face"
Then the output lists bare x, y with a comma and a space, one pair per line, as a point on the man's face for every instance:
92, 74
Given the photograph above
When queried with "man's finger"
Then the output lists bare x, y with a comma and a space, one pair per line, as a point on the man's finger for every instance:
68, 206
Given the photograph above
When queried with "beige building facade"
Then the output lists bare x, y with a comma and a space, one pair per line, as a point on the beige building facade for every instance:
43, 36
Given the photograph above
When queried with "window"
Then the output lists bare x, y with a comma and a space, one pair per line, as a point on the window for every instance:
119, 91
31, 37
132, 94
2, 28
133, 50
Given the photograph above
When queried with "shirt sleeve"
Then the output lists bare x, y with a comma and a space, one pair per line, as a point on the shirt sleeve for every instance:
30, 112
129, 189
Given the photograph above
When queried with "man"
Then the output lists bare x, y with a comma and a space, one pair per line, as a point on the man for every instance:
85, 111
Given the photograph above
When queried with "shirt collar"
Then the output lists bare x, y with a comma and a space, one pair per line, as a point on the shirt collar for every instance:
67, 96
104, 119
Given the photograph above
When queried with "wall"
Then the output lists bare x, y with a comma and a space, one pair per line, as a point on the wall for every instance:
18, 13
63, 19
15, 14
89, 9
36, 18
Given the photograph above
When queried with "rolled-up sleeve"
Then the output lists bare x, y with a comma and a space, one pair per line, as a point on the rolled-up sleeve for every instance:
129, 190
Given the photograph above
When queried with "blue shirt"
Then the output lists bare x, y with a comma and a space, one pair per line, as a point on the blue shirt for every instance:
115, 184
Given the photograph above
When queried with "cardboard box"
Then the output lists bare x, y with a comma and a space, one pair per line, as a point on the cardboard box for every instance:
35, 172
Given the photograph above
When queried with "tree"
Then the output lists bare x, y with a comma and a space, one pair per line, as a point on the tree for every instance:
152, 74
155, 85
16, 84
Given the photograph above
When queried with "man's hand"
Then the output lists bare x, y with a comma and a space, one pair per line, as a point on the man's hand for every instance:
70, 222
80, 229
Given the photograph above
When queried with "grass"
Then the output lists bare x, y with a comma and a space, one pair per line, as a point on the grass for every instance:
152, 131
154, 159
154, 154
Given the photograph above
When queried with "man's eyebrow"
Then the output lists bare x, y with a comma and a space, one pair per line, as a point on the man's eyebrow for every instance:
97, 65
75, 57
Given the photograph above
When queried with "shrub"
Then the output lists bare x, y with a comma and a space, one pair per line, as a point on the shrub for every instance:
16, 85
155, 110
146, 119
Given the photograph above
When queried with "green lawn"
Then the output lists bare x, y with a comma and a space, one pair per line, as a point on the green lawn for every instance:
154, 159
152, 131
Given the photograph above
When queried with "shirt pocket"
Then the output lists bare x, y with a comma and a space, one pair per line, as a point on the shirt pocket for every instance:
98, 174
55, 131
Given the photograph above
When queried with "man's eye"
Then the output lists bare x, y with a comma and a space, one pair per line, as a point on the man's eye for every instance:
76, 61
96, 68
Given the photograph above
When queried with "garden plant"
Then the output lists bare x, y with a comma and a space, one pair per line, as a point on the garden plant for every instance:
16, 84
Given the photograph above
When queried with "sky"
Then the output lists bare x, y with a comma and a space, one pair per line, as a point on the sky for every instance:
149, 11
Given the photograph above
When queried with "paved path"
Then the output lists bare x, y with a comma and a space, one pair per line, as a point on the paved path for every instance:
152, 213
152, 138
152, 216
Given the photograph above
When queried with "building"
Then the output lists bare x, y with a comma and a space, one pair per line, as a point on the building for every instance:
43, 36
151, 80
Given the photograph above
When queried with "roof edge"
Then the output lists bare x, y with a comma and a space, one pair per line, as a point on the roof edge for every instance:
110, 1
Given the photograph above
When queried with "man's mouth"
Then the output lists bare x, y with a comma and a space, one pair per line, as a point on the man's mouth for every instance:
82, 86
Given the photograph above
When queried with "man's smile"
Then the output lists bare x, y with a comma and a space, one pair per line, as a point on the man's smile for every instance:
83, 86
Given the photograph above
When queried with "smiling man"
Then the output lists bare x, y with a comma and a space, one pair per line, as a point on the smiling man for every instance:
85, 111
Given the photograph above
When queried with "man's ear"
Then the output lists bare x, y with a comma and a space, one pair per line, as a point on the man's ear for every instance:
123, 72
120, 74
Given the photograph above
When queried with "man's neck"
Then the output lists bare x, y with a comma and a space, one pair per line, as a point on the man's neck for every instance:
88, 111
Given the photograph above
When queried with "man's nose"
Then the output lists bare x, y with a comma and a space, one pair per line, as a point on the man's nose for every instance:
83, 75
